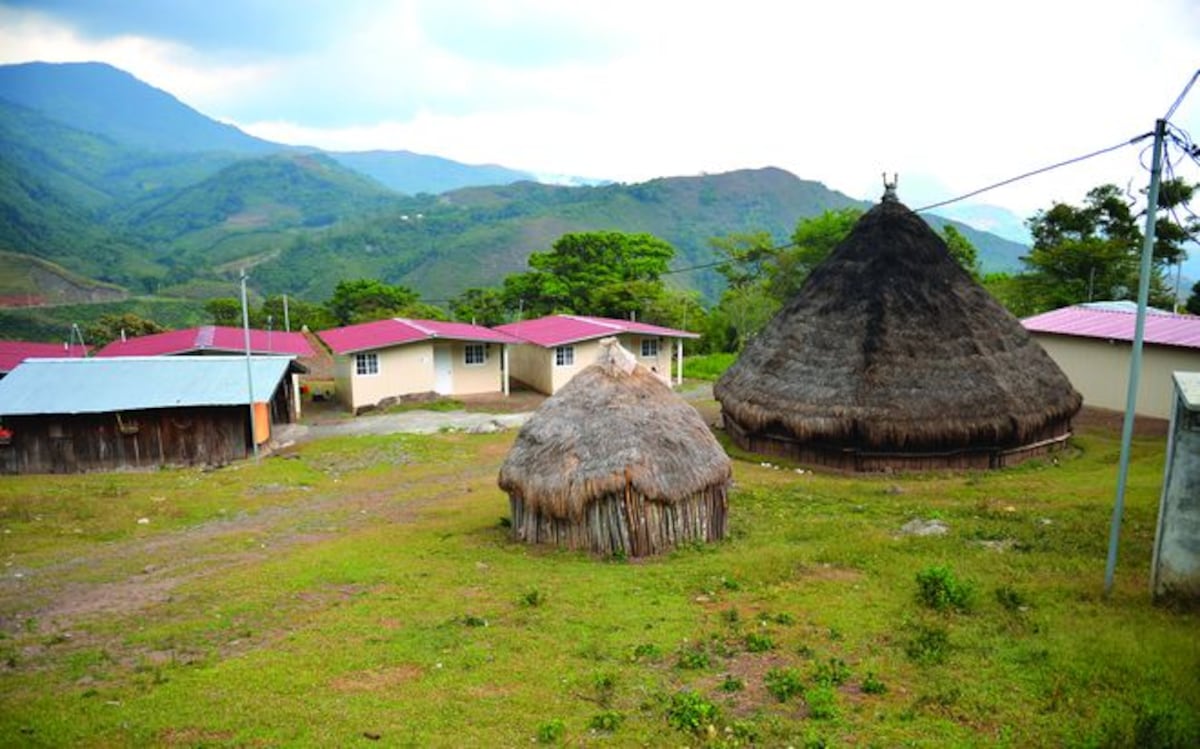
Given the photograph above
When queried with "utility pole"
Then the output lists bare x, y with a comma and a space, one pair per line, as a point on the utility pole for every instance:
1135, 358
249, 366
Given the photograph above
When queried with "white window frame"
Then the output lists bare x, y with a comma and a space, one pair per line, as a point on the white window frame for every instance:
647, 345
478, 348
366, 364
564, 356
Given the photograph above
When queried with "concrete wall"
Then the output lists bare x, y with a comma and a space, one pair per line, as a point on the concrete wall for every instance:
534, 365
1099, 370
409, 369
1176, 568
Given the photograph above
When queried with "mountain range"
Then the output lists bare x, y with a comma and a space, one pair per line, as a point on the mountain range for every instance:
121, 183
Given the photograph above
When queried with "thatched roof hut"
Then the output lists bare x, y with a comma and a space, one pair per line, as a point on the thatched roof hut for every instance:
892, 357
616, 463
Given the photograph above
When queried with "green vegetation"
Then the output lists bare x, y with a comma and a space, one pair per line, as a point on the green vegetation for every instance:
362, 587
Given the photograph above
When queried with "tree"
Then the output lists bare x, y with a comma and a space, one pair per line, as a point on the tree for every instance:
366, 299
224, 310
111, 327
605, 273
962, 250
1193, 302
299, 314
746, 257
481, 306
1093, 252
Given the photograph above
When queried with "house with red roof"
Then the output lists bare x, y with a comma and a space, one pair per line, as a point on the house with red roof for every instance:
210, 339
13, 353
1093, 343
552, 349
379, 362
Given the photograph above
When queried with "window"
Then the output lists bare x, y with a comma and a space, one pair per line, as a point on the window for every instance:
474, 353
564, 356
649, 348
366, 364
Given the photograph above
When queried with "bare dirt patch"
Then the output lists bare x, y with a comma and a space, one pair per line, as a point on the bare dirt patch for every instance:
377, 679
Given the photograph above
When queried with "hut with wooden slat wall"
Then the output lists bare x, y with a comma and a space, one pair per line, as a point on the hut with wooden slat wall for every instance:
616, 463
891, 357
79, 415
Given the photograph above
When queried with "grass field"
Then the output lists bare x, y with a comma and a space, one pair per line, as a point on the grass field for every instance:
364, 591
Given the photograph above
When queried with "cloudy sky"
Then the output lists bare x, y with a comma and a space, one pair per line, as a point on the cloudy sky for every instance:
951, 95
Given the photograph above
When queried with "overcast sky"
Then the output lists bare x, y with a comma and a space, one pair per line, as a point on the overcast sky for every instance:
951, 95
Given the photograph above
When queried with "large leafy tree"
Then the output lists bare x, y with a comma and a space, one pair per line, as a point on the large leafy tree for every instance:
604, 273
1193, 302
1093, 252
109, 328
366, 299
483, 306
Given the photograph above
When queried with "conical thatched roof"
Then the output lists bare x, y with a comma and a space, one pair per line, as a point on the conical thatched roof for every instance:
891, 346
614, 425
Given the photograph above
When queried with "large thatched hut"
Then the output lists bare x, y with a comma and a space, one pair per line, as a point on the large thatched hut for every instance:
617, 464
892, 357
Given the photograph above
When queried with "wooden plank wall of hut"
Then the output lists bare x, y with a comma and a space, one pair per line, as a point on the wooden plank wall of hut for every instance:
75, 443
1050, 440
628, 525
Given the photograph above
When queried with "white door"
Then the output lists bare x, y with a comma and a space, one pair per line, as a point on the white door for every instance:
443, 370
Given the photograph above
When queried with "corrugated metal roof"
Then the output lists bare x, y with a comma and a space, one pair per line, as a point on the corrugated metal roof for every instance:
13, 353
210, 338
398, 331
557, 330
69, 386
1117, 324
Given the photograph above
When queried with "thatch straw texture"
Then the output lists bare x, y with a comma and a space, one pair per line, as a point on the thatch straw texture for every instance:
891, 347
616, 462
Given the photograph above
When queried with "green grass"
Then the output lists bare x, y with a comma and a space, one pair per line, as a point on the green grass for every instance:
365, 589
707, 366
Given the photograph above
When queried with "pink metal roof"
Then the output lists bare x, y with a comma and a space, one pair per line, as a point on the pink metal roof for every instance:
557, 330
1162, 328
13, 353
398, 331
214, 338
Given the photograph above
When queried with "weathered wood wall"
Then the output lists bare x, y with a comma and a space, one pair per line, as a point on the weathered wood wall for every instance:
857, 460
630, 525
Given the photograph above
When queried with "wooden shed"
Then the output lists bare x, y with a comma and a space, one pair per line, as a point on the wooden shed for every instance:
616, 463
891, 357
77, 415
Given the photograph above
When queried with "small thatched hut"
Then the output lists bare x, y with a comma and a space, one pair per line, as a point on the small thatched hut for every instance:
892, 357
616, 463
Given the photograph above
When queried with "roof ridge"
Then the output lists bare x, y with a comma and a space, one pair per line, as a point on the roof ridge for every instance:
420, 328
205, 335
604, 323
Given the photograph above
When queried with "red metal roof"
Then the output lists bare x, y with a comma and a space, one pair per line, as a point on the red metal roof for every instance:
398, 331
214, 338
13, 353
1113, 323
557, 330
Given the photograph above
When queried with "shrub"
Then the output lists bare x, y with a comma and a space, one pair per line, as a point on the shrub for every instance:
872, 685
732, 684
695, 657
689, 711
759, 642
939, 589
822, 703
609, 720
784, 683
533, 598
551, 731
930, 645
833, 673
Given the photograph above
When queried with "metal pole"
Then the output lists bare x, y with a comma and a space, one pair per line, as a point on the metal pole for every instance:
287, 322
1135, 359
249, 368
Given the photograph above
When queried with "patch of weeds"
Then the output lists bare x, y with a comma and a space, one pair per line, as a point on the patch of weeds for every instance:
743, 733
872, 685
605, 686
471, 620
759, 642
533, 598
940, 590
783, 618
930, 645
783, 683
730, 584
804, 651
690, 711
832, 673
694, 657
607, 721
835, 634
1160, 724
822, 702
618, 556
732, 684
646, 652
505, 522
551, 731
1009, 598
730, 617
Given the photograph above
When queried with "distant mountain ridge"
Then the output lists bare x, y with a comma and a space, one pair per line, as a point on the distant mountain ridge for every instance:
122, 183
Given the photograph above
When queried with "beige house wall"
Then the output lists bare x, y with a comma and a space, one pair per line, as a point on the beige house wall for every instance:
534, 365
409, 369
1099, 370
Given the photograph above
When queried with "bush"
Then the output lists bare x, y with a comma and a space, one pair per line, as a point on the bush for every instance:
689, 711
759, 642
930, 645
822, 703
609, 721
551, 731
784, 683
939, 589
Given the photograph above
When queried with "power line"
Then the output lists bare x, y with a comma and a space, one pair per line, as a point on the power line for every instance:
1042, 170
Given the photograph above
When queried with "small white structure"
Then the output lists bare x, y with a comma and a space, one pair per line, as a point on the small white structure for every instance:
1176, 568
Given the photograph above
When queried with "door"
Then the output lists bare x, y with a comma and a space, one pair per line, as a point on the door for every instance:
443, 370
